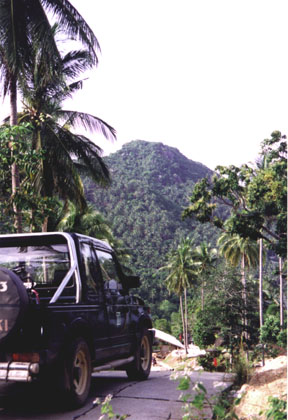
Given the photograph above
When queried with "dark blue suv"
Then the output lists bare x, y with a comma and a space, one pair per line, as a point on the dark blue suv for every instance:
66, 311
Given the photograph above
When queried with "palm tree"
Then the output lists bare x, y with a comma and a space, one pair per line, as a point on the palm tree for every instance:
181, 274
204, 258
90, 222
66, 153
235, 250
23, 24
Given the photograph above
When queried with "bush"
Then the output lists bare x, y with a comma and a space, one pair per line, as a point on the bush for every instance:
282, 338
270, 329
214, 362
277, 410
162, 324
176, 324
204, 330
241, 368
271, 332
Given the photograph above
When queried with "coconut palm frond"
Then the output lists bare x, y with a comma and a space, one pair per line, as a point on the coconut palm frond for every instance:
89, 122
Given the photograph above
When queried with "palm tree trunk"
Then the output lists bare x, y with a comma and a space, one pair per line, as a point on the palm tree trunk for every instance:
14, 169
183, 320
281, 293
261, 282
45, 225
186, 321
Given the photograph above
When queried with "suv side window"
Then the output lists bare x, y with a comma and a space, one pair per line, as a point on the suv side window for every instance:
93, 280
109, 272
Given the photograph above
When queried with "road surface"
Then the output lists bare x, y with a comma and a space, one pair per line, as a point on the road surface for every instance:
154, 399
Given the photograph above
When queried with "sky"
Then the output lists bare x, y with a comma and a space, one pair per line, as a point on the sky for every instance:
208, 77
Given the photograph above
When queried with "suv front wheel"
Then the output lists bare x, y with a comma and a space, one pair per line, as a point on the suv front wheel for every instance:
139, 369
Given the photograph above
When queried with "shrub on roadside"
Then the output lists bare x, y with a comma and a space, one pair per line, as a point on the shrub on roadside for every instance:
272, 333
213, 362
282, 338
242, 368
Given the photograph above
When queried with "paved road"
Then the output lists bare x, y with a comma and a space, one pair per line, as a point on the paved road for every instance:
154, 399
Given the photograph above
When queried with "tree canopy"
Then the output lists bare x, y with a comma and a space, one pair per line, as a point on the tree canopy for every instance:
256, 197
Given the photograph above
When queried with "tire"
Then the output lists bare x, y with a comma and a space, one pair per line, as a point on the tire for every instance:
77, 373
140, 368
14, 302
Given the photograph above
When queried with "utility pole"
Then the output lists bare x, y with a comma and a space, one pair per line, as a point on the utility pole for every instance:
261, 282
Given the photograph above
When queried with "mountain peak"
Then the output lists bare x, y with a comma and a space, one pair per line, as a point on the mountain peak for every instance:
168, 162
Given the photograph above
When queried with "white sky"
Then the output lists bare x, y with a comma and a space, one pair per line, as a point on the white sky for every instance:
206, 76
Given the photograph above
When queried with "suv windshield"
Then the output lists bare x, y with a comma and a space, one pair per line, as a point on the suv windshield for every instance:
40, 265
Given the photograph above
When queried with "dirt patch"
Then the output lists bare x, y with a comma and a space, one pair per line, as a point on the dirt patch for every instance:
266, 381
175, 360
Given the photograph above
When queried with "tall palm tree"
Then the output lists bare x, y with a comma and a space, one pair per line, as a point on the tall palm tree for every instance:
204, 258
23, 24
235, 250
65, 152
181, 275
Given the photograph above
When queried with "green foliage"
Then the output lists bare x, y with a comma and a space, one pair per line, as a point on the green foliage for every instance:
272, 309
277, 410
222, 315
16, 147
282, 338
176, 329
162, 324
271, 331
256, 197
204, 329
166, 310
241, 367
167, 307
180, 267
214, 361
107, 411
233, 247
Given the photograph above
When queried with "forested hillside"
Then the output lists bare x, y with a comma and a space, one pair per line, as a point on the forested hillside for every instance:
151, 183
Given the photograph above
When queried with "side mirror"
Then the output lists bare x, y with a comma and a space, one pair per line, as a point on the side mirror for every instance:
130, 282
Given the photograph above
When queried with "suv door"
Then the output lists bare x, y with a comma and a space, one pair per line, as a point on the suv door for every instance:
117, 304
93, 298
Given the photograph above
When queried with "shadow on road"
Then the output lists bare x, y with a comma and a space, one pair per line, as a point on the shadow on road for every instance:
35, 401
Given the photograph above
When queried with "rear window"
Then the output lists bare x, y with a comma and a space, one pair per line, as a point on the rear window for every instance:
40, 265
